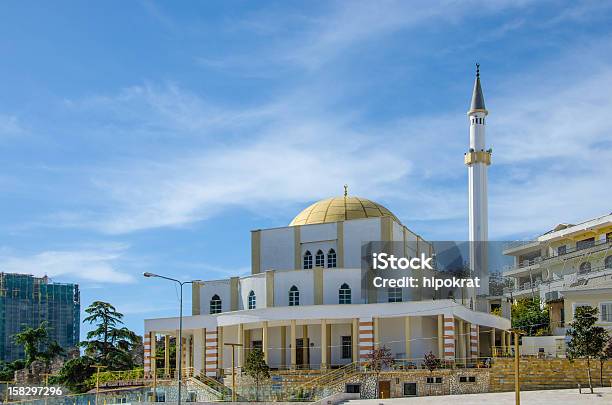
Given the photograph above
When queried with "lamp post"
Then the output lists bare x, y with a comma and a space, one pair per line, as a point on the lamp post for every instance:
234, 346
180, 336
97, 367
517, 378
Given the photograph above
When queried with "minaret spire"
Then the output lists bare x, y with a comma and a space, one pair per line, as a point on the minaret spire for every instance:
478, 103
478, 159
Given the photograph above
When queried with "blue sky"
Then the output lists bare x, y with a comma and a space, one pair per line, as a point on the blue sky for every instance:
153, 136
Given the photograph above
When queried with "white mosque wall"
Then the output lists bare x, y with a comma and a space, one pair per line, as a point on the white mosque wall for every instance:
277, 248
357, 232
339, 330
209, 289
302, 279
334, 278
318, 232
256, 283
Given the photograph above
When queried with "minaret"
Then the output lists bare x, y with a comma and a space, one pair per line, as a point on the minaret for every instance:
478, 159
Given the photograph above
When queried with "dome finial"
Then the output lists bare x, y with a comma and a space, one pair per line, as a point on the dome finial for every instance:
477, 69
346, 190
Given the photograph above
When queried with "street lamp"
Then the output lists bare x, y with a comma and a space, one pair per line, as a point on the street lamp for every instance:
180, 336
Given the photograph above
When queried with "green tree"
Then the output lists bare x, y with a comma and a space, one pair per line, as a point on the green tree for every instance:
530, 316
587, 341
256, 368
76, 374
377, 360
7, 370
32, 339
107, 343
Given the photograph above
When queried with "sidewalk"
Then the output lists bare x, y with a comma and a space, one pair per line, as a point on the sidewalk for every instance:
558, 397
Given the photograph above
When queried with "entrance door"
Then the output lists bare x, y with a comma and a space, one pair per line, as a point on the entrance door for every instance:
302, 353
384, 389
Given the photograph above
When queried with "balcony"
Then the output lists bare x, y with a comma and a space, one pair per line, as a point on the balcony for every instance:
527, 265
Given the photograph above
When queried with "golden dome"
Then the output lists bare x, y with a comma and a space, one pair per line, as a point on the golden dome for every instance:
340, 209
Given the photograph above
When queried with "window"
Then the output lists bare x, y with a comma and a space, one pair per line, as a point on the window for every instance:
252, 300
410, 389
353, 388
257, 345
561, 250
308, 260
331, 258
394, 294
294, 296
344, 294
215, 304
465, 379
434, 380
584, 268
605, 311
347, 347
585, 243
609, 237
608, 262
320, 259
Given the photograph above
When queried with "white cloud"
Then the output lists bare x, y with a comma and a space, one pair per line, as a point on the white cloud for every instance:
88, 265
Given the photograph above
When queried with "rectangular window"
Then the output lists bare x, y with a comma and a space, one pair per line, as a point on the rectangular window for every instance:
434, 380
561, 250
410, 389
467, 379
609, 237
394, 294
585, 243
347, 347
257, 344
353, 388
605, 310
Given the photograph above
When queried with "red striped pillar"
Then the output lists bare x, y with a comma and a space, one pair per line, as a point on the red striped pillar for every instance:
366, 338
449, 338
147, 353
474, 340
211, 355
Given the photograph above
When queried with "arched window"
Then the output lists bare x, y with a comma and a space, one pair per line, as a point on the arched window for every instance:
344, 294
215, 304
294, 296
331, 258
252, 300
308, 260
394, 294
320, 259
608, 262
585, 267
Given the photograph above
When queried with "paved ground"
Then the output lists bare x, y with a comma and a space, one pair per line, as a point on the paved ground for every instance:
554, 397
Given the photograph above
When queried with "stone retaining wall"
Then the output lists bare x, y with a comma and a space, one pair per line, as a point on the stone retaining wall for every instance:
538, 374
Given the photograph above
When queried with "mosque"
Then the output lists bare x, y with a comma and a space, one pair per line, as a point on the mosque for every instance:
303, 304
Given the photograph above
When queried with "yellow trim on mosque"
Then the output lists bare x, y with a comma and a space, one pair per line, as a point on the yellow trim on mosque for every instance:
478, 157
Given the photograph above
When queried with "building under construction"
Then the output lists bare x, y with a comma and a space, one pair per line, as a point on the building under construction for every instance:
27, 301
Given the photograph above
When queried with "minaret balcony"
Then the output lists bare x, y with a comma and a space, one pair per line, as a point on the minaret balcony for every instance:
483, 156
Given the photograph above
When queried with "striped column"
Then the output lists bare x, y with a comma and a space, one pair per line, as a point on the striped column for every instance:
147, 353
212, 353
474, 340
366, 338
449, 338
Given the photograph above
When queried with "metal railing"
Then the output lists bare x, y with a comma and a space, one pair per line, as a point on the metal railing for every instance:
557, 253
